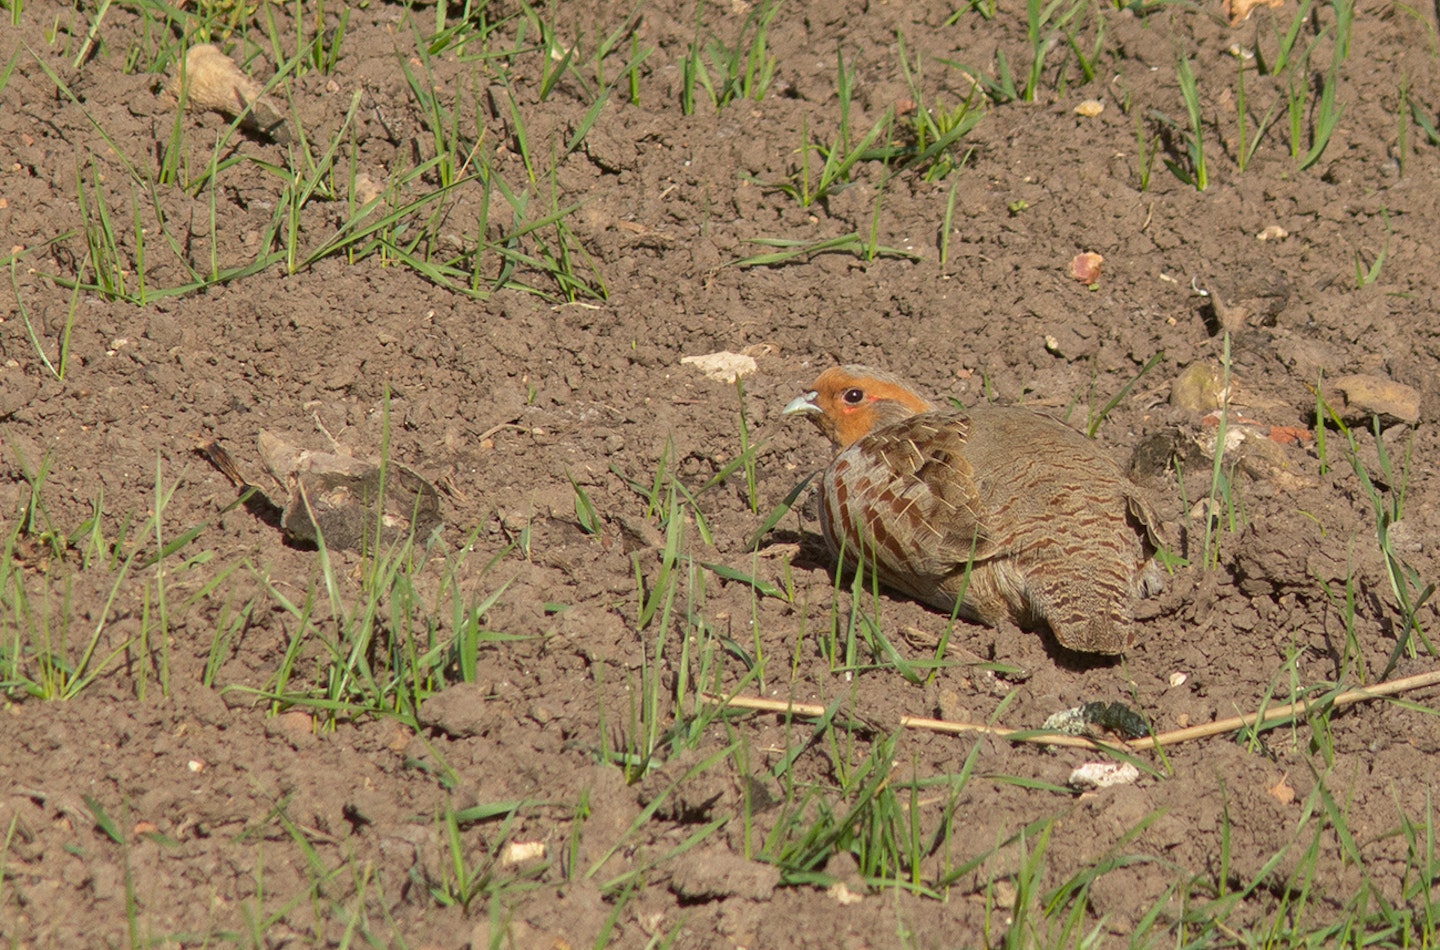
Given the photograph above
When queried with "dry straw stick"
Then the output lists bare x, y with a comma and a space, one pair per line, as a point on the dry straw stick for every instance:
1220, 727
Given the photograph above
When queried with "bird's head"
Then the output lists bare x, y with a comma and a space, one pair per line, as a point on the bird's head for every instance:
848, 402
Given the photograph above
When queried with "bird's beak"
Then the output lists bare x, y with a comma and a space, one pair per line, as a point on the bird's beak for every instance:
805, 403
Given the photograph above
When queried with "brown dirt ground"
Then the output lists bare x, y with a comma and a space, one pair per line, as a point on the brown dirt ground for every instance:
238, 820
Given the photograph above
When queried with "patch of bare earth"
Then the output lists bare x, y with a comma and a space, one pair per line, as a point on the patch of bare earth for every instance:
561, 782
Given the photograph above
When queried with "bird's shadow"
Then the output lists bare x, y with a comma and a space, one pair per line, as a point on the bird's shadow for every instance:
1073, 661
813, 553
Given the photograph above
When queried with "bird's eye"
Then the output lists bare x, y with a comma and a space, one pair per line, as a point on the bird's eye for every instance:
853, 397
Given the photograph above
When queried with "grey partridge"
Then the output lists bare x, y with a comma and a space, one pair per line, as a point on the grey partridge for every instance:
1011, 511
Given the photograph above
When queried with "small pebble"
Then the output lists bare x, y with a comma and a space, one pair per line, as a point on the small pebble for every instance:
1104, 775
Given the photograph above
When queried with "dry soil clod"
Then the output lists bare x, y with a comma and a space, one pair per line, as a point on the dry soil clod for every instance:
209, 81
336, 496
1238, 11
724, 367
1200, 387
1363, 395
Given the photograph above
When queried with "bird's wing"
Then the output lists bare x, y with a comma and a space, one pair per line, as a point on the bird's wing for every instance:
912, 488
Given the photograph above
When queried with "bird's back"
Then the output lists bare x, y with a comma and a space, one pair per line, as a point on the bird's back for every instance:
1011, 509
